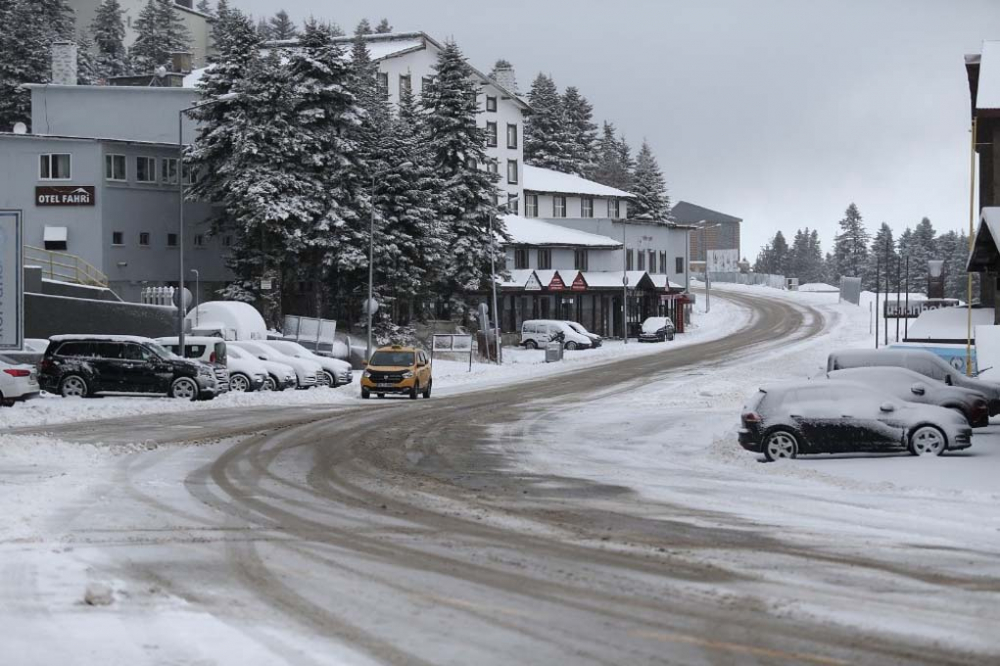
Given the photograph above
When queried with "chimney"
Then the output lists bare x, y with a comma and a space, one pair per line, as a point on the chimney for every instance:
64, 70
503, 73
181, 62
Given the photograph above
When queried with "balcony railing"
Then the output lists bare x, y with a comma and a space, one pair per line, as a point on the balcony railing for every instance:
64, 267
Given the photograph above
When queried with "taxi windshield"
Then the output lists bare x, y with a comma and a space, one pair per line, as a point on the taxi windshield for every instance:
392, 358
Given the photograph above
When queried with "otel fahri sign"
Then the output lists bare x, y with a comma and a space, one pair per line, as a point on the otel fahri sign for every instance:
71, 195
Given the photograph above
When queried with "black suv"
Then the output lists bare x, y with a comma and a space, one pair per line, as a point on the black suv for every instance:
82, 366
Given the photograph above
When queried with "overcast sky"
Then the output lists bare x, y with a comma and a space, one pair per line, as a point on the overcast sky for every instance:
781, 112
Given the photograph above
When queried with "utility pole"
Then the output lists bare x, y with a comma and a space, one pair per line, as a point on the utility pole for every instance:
624, 283
370, 305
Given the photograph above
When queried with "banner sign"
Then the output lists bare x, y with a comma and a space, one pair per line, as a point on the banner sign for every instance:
557, 283
579, 284
723, 261
533, 283
901, 310
11, 281
65, 196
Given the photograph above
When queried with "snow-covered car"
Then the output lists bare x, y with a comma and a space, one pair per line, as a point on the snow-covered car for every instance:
918, 360
306, 371
17, 382
210, 351
911, 386
335, 371
791, 419
595, 339
536, 333
262, 375
657, 329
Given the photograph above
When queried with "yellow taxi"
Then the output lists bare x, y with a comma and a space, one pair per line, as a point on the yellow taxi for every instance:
397, 369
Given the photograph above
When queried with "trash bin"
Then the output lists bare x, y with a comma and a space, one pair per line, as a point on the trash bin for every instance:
553, 352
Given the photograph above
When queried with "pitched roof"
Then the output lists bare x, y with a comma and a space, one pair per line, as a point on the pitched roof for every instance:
986, 245
525, 231
537, 179
689, 213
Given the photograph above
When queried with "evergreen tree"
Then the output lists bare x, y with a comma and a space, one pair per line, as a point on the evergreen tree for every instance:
364, 28
583, 132
882, 254
547, 139
851, 245
108, 29
905, 245
86, 67
920, 246
160, 33
780, 251
765, 259
613, 168
264, 29
467, 203
281, 27
383, 28
650, 189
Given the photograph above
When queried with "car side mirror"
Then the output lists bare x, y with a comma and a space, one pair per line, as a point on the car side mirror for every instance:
948, 380
888, 407
918, 389
262, 358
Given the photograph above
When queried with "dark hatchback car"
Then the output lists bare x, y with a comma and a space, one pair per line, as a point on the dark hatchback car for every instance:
84, 366
786, 420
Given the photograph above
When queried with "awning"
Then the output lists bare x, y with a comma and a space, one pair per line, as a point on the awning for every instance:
56, 235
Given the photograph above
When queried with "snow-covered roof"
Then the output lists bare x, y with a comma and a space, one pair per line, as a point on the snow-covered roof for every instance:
525, 231
663, 282
819, 287
947, 323
537, 179
102, 338
988, 94
986, 245
518, 278
608, 279
194, 78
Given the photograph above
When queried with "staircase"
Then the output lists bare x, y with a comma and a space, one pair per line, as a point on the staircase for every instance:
64, 267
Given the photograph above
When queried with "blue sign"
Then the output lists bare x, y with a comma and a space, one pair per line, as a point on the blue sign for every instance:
11, 281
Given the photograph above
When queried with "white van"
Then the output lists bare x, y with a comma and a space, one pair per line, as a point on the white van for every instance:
210, 351
536, 333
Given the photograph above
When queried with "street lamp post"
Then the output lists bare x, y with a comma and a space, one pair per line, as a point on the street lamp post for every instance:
370, 306
624, 283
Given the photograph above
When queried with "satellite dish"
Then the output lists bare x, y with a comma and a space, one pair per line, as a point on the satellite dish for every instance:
20, 128
161, 72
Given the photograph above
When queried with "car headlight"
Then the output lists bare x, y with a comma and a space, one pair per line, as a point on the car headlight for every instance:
367, 375
290, 375
408, 375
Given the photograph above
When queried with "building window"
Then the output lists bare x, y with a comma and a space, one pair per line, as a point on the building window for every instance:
491, 104
512, 172
426, 83
558, 206
199, 240
117, 238
471, 164
115, 167
405, 85
531, 205
520, 257
382, 81
679, 265
629, 265
663, 262
581, 260
190, 175
512, 205
586, 207
641, 256
144, 239
512, 137
493, 167
544, 259
613, 211
168, 170
171, 240
652, 261
491, 135
145, 169
54, 167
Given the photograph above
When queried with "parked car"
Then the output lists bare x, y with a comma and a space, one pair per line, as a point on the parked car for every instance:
334, 371
595, 339
88, 365
273, 376
918, 360
18, 382
657, 329
397, 369
210, 351
787, 420
911, 386
536, 333
306, 372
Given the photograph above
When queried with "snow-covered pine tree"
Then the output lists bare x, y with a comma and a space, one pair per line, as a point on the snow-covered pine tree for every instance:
383, 27
281, 27
108, 29
467, 204
264, 29
651, 201
922, 250
906, 247
160, 31
363, 28
610, 170
547, 139
579, 115
881, 254
779, 249
86, 67
851, 244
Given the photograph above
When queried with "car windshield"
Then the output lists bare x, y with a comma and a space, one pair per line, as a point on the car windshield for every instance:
577, 327
392, 358
653, 324
289, 348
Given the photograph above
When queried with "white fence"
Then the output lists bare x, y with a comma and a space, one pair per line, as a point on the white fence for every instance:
775, 281
158, 296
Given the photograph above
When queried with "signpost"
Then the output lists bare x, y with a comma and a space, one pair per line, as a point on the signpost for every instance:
71, 195
11, 281
452, 344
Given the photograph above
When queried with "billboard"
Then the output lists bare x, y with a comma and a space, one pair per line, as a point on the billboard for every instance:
723, 261
11, 278
903, 310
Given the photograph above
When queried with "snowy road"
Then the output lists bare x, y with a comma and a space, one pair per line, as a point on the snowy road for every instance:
536, 523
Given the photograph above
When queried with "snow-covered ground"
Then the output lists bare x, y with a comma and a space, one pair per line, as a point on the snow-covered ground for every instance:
681, 448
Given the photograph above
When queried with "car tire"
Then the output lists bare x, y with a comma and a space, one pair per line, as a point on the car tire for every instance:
927, 440
366, 394
331, 380
427, 389
240, 383
530, 344
272, 384
415, 391
571, 345
780, 443
184, 388
74, 386
670, 337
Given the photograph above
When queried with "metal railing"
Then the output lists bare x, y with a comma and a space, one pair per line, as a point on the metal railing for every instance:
64, 267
